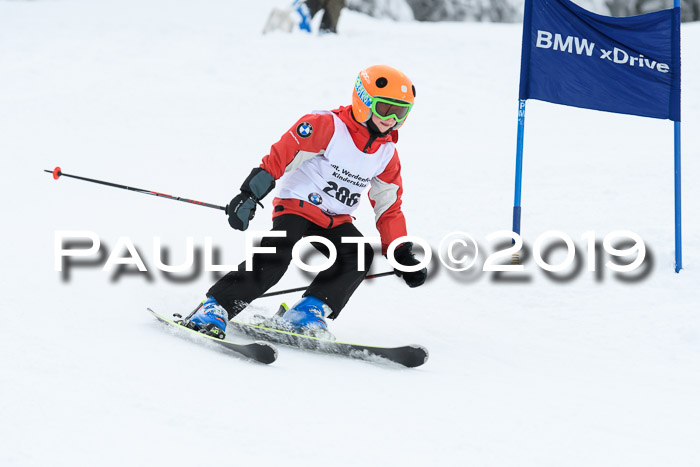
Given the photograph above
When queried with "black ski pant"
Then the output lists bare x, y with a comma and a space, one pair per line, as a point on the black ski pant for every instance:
334, 286
331, 13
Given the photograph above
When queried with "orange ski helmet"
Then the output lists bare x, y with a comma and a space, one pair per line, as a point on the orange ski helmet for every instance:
382, 85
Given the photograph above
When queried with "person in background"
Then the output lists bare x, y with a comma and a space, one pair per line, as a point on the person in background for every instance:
300, 14
331, 13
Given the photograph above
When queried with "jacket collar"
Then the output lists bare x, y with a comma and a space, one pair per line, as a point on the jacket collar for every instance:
359, 130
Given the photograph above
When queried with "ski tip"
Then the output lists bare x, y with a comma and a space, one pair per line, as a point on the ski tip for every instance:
420, 356
270, 355
427, 354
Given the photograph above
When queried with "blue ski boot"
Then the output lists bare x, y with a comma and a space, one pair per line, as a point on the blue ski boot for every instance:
307, 315
210, 318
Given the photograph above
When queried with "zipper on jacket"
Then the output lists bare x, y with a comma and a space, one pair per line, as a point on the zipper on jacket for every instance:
369, 142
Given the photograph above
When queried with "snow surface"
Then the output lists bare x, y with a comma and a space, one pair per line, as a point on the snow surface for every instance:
184, 98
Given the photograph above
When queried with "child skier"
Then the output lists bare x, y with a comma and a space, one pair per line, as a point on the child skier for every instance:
328, 159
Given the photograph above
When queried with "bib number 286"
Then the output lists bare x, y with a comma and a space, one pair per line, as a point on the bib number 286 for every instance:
342, 194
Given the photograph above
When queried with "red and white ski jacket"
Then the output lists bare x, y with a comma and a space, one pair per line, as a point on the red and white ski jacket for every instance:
330, 160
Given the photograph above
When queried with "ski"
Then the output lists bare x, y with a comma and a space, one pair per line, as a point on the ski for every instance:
262, 352
409, 356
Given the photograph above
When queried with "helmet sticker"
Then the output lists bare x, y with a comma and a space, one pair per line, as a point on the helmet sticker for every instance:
362, 92
305, 129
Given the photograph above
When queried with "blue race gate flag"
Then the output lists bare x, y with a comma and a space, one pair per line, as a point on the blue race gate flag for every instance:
628, 65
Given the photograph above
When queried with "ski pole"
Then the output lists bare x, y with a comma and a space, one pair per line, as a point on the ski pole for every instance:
57, 173
299, 289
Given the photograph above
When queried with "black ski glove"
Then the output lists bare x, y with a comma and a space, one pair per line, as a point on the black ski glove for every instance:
404, 256
241, 209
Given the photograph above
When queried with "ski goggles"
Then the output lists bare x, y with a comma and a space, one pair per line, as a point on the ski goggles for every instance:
388, 108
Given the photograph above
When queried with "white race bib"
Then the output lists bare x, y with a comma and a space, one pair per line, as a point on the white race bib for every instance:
336, 179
